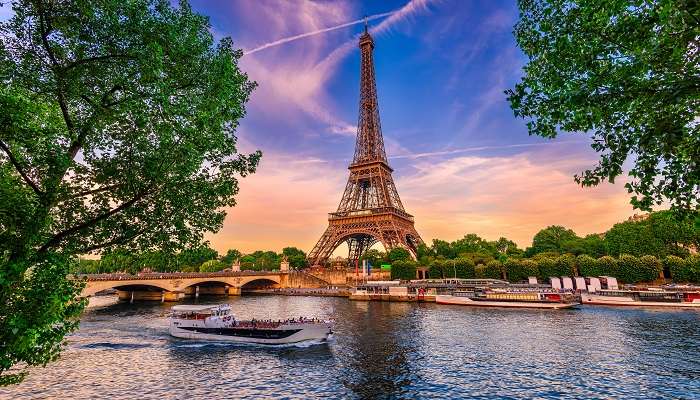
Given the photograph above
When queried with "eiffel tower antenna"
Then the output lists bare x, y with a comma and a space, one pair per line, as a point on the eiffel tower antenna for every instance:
370, 210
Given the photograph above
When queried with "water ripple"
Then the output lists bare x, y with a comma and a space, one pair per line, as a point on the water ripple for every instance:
382, 350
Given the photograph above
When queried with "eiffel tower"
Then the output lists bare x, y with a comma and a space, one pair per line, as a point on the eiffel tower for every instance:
370, 210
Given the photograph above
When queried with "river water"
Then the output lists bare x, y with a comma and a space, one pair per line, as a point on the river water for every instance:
381, 350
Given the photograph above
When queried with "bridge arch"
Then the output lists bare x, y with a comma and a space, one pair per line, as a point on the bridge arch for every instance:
247, 281
93, 287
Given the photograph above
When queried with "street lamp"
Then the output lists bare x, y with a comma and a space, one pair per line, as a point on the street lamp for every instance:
454, 267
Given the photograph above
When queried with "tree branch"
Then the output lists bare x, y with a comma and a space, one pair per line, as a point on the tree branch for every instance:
56, 239
92, 191
93, 59
19, 169
118, 240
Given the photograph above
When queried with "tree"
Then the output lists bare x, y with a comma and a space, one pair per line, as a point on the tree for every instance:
551, 238
566, 265
399, 253
212, 266
626, 72
443, 248
593, 245
494, 270
373, 256
547, 267
676, 267
464, 268
231, 256
117, 122
296, 257
515, 270
587, 266
629, 269
650, 268
659, 235
506, 247
607, 266
196, 255
403, 269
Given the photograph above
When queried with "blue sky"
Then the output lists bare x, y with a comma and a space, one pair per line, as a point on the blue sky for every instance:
463, 163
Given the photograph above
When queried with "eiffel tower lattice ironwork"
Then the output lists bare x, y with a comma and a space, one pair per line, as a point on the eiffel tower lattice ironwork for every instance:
370, 210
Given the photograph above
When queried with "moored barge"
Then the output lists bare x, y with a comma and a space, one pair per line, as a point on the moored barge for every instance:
647, 297
509, 298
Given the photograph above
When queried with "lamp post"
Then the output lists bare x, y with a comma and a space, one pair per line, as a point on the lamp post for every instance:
454, 267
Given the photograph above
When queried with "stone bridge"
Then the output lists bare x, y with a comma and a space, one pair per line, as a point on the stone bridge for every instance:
175, 286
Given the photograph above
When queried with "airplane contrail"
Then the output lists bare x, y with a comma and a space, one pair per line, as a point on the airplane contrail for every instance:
307, 34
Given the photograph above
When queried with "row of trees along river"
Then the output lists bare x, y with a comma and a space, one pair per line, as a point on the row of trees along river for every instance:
634, 251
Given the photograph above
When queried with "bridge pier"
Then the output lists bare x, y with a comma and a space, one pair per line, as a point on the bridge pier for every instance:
234, 291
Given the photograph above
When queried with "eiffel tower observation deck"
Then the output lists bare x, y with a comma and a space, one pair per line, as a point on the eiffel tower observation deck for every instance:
370, 210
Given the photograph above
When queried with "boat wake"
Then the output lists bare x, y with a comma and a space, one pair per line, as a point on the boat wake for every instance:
301, 345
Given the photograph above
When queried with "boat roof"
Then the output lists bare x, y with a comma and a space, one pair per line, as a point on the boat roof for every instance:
195, 307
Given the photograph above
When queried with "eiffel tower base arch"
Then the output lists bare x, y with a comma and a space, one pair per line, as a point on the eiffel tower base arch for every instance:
361, 233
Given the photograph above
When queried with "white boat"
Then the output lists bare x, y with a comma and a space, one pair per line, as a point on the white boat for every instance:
216, 323
509, 298
650, 297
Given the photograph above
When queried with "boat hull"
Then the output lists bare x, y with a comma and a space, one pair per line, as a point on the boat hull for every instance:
464, 301
592, 299
310, 332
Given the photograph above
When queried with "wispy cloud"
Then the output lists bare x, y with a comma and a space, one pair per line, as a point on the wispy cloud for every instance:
513, 196
481, 148
316, 32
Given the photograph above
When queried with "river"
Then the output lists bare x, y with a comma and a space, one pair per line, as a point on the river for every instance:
381, 350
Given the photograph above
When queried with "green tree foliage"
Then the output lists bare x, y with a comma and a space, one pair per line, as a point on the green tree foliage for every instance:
677, 267
296, 257
443, 248
551, 239
231, 256
506, 247
494, 270
607, 266
693, 266
424, 251
593, 245
628, 268
437, 270
117, 122
546, 268
519, 270
659, 235
195, 256
587, 266
212, 266
403, 269
261, 261
399, 253
566, 265
464, 268
374, 257
627, 73
650, 268
684, 271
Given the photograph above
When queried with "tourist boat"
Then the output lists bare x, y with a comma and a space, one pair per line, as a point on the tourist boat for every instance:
648, 297
215, 322
509, 298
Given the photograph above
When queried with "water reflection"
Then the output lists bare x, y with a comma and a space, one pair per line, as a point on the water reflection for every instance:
378, 362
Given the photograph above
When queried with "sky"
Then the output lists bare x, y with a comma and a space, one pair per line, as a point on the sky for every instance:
462, 162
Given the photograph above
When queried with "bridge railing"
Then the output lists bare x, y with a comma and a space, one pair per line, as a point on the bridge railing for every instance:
170, 275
